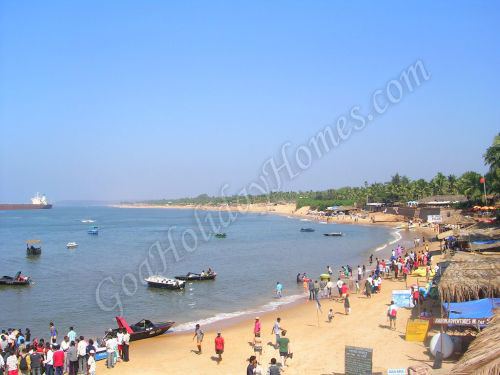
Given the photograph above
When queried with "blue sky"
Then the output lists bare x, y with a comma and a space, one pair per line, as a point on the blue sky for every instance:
133, 100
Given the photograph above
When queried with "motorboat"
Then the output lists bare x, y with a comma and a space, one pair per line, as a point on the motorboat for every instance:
306, 230
197, 276
18, 280
158, 281
88, 221
220, 235
32, 249
141, 330
333, 234
93, 230
71, 245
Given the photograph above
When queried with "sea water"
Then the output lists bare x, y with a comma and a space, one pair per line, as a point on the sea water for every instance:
88, 286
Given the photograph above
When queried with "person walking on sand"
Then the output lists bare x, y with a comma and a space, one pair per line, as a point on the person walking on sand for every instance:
284, 348
392, 313
198, 333
277, 330
347, 305
91, 362
256, 326
330, 315
219, 346
257, 345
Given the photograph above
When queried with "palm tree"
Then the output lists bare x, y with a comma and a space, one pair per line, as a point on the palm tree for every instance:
492, 154
469, 185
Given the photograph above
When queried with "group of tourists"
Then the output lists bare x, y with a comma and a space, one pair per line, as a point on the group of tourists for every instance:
73, 355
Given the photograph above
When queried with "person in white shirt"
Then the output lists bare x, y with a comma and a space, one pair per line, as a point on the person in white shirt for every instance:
49, 359
91, 363
110, 351
360, 273
126, 342
11, 363
82, 355
64, 347
119, 339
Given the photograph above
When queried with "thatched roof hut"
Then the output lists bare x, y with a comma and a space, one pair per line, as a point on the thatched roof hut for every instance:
483, 356
470, 277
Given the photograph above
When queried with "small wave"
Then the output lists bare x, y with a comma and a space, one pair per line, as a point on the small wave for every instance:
397, 237
381, 247
273, 305
305, 220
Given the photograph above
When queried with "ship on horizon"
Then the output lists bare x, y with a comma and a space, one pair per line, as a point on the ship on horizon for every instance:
39, 201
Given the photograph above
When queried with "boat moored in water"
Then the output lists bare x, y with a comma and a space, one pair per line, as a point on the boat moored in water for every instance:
333, 234
306, 229
71, 245
31, 249
157, 281
18, 280
93, 230
220, 235
197, 276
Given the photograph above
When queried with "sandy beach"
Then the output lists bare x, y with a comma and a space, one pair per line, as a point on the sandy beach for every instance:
318, 346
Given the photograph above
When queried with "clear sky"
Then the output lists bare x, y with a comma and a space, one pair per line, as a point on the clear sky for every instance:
153, 99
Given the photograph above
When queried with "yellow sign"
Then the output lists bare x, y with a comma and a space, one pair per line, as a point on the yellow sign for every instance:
416, 330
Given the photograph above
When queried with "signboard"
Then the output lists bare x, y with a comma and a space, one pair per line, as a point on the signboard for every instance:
402, 298
434, 219
416, 330
462, 321
396, 371
358, 361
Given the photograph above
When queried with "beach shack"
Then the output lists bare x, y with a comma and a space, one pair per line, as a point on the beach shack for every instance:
483, 354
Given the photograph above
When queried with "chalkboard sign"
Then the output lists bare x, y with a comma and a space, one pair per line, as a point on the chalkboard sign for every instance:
358, 361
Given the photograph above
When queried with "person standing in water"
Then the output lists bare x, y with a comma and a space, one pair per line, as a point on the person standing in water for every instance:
198, 333
279, 289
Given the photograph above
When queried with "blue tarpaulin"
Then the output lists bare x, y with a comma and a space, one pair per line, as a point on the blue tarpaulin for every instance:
481, 308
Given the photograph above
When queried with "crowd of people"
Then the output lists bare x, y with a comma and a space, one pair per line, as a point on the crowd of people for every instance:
73, 355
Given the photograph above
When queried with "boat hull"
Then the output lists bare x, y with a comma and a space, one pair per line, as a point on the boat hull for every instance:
153, 284
21, 206
8, 280
195, 278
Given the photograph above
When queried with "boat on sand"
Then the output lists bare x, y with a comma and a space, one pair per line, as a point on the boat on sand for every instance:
143, 329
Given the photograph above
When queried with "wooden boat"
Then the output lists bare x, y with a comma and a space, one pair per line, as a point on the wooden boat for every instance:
141, 330
165, 283
17, 280
31, 249
220, 235
197, 277
306, 230
333, 234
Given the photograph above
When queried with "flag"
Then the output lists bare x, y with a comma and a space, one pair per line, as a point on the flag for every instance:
482, 180
318, 305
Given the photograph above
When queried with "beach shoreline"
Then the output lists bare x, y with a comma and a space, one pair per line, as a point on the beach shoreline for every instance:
318, 346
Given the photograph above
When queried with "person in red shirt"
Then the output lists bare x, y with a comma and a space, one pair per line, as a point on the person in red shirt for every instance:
219, 346
58, 360
344, 290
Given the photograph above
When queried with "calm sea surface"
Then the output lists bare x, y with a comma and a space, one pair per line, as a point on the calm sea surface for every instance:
258, 251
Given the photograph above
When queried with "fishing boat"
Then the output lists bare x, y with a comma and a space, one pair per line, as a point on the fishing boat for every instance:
18, 280
197, 276
93, 230
71, 245
141, 330
220, 235
306, 230
333, 234
31, 249
165, 283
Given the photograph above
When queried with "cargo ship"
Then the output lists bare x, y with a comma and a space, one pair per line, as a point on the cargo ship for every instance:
39, 201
